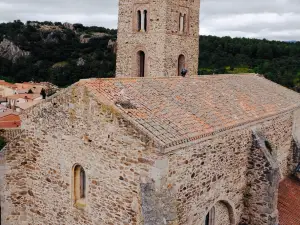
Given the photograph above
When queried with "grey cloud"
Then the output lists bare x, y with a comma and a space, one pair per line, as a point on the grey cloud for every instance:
271, 19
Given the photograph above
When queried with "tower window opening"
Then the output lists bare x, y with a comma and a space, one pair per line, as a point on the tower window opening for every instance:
145, 20
79, 183
139, 16
184, 23
181, 64
141, 64
180, 15
181, 22
210, 217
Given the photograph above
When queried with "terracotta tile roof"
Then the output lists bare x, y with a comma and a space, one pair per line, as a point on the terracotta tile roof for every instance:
27, 105
25, 96
6, 84
289, 202
175, 110
9, 119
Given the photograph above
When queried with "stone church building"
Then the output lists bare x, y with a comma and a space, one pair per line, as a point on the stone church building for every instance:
150, 146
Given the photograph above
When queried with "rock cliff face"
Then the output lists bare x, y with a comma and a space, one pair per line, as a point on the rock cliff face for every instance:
112, 45
10, 51
85, 38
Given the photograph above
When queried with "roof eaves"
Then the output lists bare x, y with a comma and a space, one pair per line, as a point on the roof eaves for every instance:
174, 145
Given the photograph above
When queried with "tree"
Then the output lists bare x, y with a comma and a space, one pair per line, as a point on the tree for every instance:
43, 93
30, 91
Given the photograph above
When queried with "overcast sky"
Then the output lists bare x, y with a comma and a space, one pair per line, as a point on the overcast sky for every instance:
270, 19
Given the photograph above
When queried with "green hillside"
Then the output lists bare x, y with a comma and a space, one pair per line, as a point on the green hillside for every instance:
278, 61
57, 53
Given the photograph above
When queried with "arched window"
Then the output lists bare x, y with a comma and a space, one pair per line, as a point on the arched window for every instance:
210, 217
139, 22
141, 63
142, 20
181, 23
79, 183
181, 64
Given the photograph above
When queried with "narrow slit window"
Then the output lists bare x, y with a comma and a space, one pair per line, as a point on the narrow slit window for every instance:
139, 17
210, 217
184, 23
145, 20
180, 22
141, 64
79, 183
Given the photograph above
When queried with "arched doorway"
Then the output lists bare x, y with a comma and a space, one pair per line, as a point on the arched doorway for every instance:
221, 213
141, 59
181, 63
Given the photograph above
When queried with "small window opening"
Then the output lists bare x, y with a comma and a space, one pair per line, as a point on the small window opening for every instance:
210, 217
141, 64
79, 183
180, 21
181, 65
184, 23
139, 16
145, 20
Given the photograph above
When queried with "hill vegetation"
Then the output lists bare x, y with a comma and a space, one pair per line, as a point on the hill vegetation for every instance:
278, 61
61, 54
64, 53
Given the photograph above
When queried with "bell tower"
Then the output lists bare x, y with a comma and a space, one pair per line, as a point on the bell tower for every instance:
158, 38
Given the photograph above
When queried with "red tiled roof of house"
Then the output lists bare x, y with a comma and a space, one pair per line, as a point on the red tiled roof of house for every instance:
289, 202
174, 110
6, 84
24, 96
27, 105
9, 119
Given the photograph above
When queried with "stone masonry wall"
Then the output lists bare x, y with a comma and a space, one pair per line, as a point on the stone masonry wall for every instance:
130, 41
74, 128
186, 43
279, 136
202, 174
162, 43
120, 163
263, 175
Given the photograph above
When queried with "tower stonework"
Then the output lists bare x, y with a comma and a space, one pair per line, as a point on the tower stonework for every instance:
157, 38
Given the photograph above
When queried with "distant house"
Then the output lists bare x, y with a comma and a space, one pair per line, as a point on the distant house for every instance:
20, 107
3, 108
7, 89
9, 119
36, 88
14, 100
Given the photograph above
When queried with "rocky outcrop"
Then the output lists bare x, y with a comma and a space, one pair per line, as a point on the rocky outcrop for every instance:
69, 26
10, 51
112, 45
80, 62
85, 38
54, 37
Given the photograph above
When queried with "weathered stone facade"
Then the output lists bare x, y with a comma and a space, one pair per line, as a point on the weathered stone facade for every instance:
154, 150
130, 177
162, 42
59, 134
